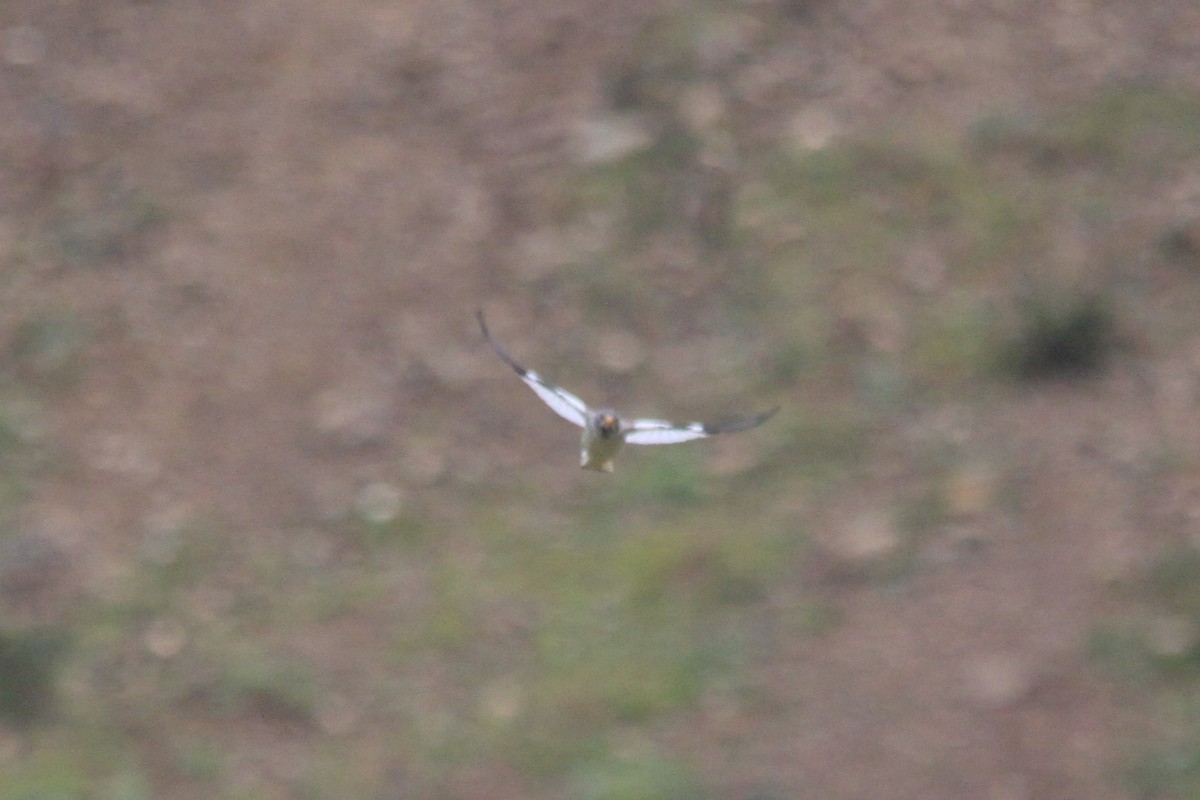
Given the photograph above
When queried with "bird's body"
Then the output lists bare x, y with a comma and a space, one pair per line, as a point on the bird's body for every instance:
601, 441
604, 431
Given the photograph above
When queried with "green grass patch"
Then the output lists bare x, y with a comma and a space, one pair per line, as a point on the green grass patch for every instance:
1126, 129
957, 344
618, 628
1159, 652
603, 660
635, 777
854, 203
175, 556
200, 759
831, 229
47, 350
671, 566
1169, 768
642, 189
251, 680
667, 479
30, 661
1174, 581
1165, 773
823, 445
655, 621
102, 220
47, 775
127, 785
663, 58
1120, 652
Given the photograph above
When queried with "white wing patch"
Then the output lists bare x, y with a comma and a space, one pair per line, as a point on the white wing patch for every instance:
659, 431
561, 402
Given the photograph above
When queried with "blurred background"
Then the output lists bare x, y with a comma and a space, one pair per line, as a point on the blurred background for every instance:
274, 522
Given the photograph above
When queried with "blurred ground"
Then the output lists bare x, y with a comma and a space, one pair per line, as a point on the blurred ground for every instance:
275, 524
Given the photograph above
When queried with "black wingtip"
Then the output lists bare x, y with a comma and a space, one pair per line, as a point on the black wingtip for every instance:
500, 351
735, 425
487, 335
754, 422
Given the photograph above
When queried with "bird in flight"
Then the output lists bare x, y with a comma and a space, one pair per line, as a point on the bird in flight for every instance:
604, 431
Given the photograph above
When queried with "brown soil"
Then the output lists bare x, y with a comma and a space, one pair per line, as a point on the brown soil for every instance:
339, 185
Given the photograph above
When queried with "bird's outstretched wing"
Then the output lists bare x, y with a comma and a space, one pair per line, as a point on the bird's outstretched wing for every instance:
563, 403
660, 431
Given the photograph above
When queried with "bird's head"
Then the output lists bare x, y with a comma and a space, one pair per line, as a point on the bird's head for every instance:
607, 424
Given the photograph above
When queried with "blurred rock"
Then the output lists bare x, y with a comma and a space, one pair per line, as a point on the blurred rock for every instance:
337, 715
211, 604
924, 268
946, 424
605, 139
165, 529
955, 543
312, 548
31, 566
998, 679
620, 351
914, 68
379, 503
353, 416
702, 106
1171, 636
24, 419
1176, 387
332, 493
122, 453
764, 79
869, 536
871, 318
455, 369
813, 128
23, 45
424, 461
165, 638
539, 253
502, 699
723, 39
732, 455
969, 491
1117, 555
886, 330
